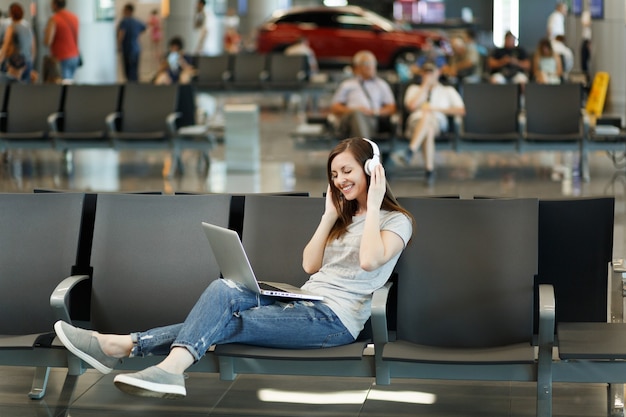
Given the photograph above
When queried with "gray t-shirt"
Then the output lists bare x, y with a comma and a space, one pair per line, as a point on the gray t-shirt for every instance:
347, 289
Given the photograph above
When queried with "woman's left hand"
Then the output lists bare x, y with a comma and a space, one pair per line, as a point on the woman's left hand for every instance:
378, 187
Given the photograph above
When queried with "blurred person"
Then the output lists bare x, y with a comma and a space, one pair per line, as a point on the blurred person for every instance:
464, 66
19, 39
585, 46
429, 53
16, 65
61, 36
128, 31
175, 66
302, 47
547, 67
231, 20
232, 41
363, 103
430, 104
565, 53
203, 23
156, 32
556, 21
509, 64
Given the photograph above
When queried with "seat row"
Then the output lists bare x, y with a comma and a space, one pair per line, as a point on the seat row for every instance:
68, 117
542, 117
500, 118
251, 72
453, 309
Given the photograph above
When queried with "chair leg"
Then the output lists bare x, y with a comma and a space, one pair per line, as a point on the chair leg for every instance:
40, 382
615, 396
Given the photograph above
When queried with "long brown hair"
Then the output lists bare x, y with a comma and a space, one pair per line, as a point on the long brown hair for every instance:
362, 151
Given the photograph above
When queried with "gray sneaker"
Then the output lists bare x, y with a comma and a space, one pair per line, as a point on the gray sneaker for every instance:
152, 382
84, 344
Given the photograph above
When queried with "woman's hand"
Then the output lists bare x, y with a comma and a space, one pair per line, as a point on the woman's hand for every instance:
330, 209
378, 187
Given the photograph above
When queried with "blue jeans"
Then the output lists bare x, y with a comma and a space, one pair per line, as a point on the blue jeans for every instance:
229, 313
68, 68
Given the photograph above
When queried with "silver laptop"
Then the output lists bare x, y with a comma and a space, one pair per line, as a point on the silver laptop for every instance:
233, 262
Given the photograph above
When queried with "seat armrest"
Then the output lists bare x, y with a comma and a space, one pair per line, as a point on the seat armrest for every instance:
53, 119
59, 300
111, 121
379, 314
171, 121
547, 314
521, 122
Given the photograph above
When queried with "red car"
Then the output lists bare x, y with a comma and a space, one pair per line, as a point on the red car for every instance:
337, 33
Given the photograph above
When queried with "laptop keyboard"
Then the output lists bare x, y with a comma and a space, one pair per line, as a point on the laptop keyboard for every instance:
266, 286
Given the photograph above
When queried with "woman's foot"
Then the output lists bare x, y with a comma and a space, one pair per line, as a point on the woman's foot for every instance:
152, 382
85, 345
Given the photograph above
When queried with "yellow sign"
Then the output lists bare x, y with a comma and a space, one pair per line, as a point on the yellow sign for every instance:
597, 95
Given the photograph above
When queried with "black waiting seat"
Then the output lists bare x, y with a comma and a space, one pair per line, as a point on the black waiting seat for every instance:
286, 71
82, 122
212, 72
491, 118
465, 310
249, 72
25, 122
39, 241
147, 118
151, 261
553, 118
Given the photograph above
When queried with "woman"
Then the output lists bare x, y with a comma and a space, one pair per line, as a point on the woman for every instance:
547, 66
18, 39
356, 245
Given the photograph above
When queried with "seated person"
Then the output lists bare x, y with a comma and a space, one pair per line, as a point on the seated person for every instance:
430, 104
176, 66
464, 63
547, 67
432, 54
302, 48
360, 102
509, 64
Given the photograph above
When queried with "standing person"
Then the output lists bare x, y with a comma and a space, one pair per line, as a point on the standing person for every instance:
128, 32
61, 35
585, 46
156, 33
16, 64
556, 21
430, 104
352, 253
19, 39
360, 102
201, 26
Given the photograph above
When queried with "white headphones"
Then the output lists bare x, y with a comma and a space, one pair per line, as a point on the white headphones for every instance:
370, 164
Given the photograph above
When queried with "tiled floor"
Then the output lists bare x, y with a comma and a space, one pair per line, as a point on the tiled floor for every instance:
285, 168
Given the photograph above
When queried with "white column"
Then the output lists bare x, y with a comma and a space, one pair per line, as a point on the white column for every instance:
96, 40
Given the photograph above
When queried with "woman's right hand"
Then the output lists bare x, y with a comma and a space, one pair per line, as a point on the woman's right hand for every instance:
330, 208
